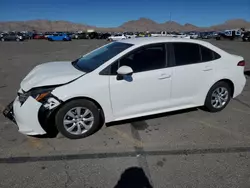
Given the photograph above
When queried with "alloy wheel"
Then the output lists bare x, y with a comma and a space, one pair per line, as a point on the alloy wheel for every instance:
220, 97
78, 120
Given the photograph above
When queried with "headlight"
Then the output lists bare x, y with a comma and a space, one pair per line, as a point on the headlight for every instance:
41, 93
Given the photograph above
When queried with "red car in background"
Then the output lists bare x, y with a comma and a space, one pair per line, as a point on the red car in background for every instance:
39, 36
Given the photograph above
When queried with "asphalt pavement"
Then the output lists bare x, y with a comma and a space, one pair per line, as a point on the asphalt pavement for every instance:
184, 149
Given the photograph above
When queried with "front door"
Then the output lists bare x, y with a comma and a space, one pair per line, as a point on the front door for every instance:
148, 89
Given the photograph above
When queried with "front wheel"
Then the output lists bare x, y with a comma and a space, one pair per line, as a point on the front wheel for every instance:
78, 119
218, 97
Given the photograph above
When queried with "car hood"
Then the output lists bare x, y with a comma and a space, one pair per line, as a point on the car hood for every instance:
51, 73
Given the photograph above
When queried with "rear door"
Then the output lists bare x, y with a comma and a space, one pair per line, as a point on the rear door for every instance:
192, 73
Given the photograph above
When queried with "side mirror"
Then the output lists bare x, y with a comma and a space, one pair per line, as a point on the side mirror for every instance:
124, 71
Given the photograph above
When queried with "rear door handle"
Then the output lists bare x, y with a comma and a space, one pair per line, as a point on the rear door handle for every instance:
164, 76
207, 69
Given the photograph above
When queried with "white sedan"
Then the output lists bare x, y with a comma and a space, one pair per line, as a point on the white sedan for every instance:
117, 37
126, 79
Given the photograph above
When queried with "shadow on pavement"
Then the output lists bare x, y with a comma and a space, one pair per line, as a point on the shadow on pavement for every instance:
151, 117
139, 122
133, 177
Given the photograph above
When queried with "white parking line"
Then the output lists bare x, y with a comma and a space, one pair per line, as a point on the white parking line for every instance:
242, 111
210, 125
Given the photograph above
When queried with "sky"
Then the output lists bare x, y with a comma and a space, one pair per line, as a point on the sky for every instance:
113, 13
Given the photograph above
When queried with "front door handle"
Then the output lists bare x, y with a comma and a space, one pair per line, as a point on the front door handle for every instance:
164, 76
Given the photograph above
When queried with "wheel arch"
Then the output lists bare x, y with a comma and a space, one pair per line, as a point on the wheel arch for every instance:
229, 82
226, 80
47, 117
90, 99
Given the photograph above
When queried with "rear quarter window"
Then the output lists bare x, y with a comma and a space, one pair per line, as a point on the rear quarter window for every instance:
208, 54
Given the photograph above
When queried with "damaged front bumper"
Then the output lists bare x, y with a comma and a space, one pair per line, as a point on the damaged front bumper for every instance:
31, 116
8, 112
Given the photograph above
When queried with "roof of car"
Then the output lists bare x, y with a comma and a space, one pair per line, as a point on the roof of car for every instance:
149, 40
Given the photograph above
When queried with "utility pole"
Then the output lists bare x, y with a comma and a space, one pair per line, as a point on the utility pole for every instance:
170, 20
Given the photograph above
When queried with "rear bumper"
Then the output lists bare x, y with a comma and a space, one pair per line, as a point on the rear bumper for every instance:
25, 116
239, 85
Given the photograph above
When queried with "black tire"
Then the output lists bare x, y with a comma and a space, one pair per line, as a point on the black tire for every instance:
78, 103
208, 102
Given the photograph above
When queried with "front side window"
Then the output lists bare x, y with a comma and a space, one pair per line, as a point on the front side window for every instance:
96, 58
145, 58
186, 53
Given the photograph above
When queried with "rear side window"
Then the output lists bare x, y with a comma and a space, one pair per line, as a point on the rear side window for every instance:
216, 56
186, 53
208, 55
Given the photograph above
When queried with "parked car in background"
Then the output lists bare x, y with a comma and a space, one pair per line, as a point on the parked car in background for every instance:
11, 37
46, 34
129, 35
246, 36
159, 34
104, 35
82, 35
59, 37
39, 36
228, 35
75, 36
25, 36
143, 34
93, 35
193, 35
179, 35
123, 80
118, 36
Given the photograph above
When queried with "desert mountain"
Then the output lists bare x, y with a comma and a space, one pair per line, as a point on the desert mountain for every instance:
142, 24
43, 25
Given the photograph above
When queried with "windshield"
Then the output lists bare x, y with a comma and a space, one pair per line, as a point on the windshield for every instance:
96, 58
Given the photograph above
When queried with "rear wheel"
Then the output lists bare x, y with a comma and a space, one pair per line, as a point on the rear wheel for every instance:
78, 119
218, 97
17, 39
2, 39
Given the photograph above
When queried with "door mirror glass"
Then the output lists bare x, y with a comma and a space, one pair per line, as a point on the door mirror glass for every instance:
125, 70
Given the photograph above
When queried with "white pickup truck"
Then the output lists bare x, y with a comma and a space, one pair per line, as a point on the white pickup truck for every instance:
159, 34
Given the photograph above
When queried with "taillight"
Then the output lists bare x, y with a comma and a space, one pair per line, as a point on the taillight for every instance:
241, 63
